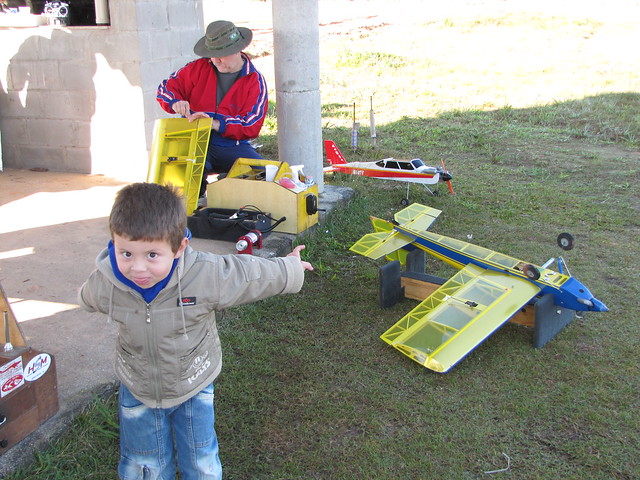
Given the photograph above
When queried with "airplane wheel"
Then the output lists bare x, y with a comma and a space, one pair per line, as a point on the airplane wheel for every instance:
404, 202
531, 272
565, 241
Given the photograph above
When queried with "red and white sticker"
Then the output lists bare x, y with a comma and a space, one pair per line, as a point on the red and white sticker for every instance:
11, 376
37, 367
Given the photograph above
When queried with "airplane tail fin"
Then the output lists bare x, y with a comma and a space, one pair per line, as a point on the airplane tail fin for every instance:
334, 155
417, 217
390, 243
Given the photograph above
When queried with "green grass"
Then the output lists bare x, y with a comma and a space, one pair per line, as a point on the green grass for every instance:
309, 391
88, 450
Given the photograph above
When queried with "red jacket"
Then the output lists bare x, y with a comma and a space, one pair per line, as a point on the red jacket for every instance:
243, 108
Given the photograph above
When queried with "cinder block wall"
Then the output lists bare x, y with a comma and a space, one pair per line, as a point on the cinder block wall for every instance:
82, 99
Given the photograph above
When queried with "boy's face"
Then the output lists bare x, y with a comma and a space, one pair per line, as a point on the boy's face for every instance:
145, 263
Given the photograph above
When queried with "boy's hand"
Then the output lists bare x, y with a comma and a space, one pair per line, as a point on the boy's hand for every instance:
296, 253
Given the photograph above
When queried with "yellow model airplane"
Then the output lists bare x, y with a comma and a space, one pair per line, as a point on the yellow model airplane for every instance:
487, 291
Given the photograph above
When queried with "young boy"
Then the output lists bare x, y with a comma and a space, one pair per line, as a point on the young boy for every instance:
164, 296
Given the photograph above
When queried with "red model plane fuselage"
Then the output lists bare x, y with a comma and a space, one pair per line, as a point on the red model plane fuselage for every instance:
413, 171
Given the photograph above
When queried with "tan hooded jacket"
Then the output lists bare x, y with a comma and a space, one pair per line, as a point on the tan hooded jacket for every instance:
169, 349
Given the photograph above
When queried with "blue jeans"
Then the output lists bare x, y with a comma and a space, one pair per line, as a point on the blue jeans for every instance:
221, 159
150, 438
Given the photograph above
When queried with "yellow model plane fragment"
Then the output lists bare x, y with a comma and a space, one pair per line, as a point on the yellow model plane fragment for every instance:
487, 291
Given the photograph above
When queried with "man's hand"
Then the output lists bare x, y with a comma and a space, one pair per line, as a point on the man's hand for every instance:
197, 115
215, 124
182, 107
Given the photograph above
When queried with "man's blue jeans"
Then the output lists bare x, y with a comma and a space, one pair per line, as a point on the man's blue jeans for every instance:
221, 159
150, 438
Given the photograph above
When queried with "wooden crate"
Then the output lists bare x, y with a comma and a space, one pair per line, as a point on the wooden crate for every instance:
28, 383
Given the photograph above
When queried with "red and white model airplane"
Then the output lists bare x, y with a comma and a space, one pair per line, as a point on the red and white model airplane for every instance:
410, 171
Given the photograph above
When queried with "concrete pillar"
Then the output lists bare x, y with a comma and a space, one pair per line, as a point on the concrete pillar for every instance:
297, 77
102, 12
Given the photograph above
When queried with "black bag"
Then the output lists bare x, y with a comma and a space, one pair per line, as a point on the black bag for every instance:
229, 224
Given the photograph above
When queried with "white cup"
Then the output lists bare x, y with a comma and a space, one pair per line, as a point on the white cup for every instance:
270, 172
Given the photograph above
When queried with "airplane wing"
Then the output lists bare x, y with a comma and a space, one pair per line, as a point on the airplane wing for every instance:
458, 316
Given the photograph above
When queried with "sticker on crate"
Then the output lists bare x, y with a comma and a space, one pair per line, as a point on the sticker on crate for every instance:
11, 376
37, 367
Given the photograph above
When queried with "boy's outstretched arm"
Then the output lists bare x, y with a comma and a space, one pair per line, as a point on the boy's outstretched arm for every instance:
296, 253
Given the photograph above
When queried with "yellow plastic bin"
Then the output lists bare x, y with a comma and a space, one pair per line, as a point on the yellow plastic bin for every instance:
178, 154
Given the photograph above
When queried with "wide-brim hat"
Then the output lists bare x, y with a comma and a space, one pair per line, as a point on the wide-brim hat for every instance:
223, 38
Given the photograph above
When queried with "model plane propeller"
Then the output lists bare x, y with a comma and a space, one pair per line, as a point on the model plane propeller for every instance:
409, 171
487, 291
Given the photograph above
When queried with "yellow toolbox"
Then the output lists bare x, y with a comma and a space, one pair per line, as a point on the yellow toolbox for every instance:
247, 184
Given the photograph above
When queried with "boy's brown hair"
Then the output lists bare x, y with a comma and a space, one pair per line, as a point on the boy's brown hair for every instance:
149, 212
